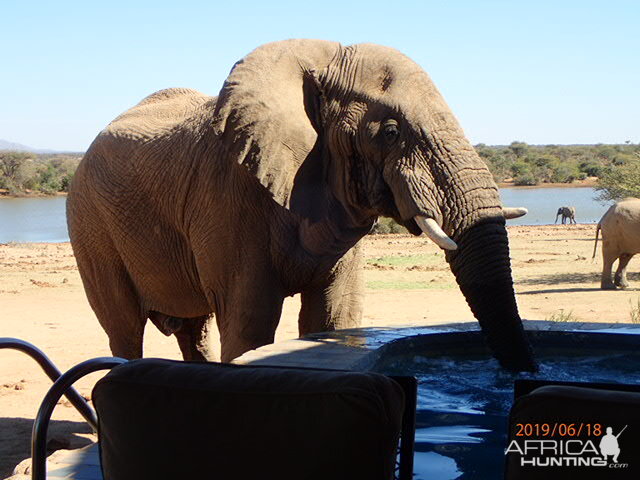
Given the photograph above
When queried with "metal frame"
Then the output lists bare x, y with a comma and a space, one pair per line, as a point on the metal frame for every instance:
53, 373
59, 388
408, 431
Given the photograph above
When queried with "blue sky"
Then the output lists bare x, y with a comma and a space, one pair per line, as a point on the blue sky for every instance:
542, 71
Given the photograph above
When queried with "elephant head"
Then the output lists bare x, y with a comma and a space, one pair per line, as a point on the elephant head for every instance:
342, 135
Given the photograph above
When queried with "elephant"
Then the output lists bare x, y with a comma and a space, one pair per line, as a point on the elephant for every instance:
566, 212
188, 207
620, 227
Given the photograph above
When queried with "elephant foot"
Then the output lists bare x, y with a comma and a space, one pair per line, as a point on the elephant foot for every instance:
607, 286
622, 286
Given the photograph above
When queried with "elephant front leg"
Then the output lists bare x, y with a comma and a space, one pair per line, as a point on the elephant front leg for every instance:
620, 279
335, 303
248, 320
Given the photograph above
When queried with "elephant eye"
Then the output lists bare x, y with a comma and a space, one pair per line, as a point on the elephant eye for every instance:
390, 131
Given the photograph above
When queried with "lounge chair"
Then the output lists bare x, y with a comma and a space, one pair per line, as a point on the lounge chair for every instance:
169, 419
578, 425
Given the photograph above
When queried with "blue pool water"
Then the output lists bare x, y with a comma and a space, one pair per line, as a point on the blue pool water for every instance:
464, 402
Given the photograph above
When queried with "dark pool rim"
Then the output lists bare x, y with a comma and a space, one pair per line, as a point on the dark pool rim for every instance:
472, 341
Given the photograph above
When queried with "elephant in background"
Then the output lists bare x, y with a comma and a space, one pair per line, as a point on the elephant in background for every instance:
620, 227
188, 205
567, 213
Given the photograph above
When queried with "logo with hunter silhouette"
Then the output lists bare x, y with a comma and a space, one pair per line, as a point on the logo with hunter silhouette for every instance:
609, 444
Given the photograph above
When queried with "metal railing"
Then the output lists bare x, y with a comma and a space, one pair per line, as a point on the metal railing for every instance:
62, 385
53, 373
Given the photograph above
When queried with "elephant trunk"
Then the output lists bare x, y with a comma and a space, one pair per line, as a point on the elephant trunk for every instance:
472, 216
482, 269
449, 186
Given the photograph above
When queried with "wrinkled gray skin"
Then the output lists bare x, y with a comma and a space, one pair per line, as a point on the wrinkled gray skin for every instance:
567, 213
188, 205
620, 227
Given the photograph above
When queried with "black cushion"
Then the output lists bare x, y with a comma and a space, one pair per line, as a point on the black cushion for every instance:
161, 419
577, 415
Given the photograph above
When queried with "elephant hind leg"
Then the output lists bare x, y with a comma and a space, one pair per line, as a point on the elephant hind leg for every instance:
607, 263
621, 272
193, 339
115, 301
118, 309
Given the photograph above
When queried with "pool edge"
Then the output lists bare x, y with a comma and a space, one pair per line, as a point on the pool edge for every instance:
361, 348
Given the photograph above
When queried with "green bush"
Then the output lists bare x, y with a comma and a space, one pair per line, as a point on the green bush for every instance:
65, 181
519, 149
387, 225
520, 168
48, 174
565, 173
591, 168
525, 179
618, 182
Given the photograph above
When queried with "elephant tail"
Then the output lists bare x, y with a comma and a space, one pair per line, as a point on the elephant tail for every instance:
595, 245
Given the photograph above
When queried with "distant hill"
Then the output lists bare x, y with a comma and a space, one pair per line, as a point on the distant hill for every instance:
17, 147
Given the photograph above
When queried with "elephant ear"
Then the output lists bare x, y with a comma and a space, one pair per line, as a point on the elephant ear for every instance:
267, 109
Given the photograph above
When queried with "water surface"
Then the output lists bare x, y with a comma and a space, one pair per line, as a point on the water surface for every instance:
543, 204
464, 403
43, 219
39, 219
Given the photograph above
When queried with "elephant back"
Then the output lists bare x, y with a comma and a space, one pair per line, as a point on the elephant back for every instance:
158, 114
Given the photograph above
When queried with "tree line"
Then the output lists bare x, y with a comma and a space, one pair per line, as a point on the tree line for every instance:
617, 167
23, 173
525, 164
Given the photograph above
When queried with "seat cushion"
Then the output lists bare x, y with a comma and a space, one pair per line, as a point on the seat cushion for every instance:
167, 419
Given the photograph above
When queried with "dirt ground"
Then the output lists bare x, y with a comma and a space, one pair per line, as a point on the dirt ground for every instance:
408, 282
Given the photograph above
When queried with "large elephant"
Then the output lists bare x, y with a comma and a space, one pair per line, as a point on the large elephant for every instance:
620, 227
187, 205
567, 213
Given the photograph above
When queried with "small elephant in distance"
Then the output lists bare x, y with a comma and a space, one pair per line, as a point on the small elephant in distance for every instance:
566, 212
620, 227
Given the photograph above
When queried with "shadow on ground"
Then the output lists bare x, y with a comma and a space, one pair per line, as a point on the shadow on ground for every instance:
573, 277
559, 290
15, 439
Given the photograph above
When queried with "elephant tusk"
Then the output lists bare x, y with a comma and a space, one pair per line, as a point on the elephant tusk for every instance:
431, 228
514, 212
